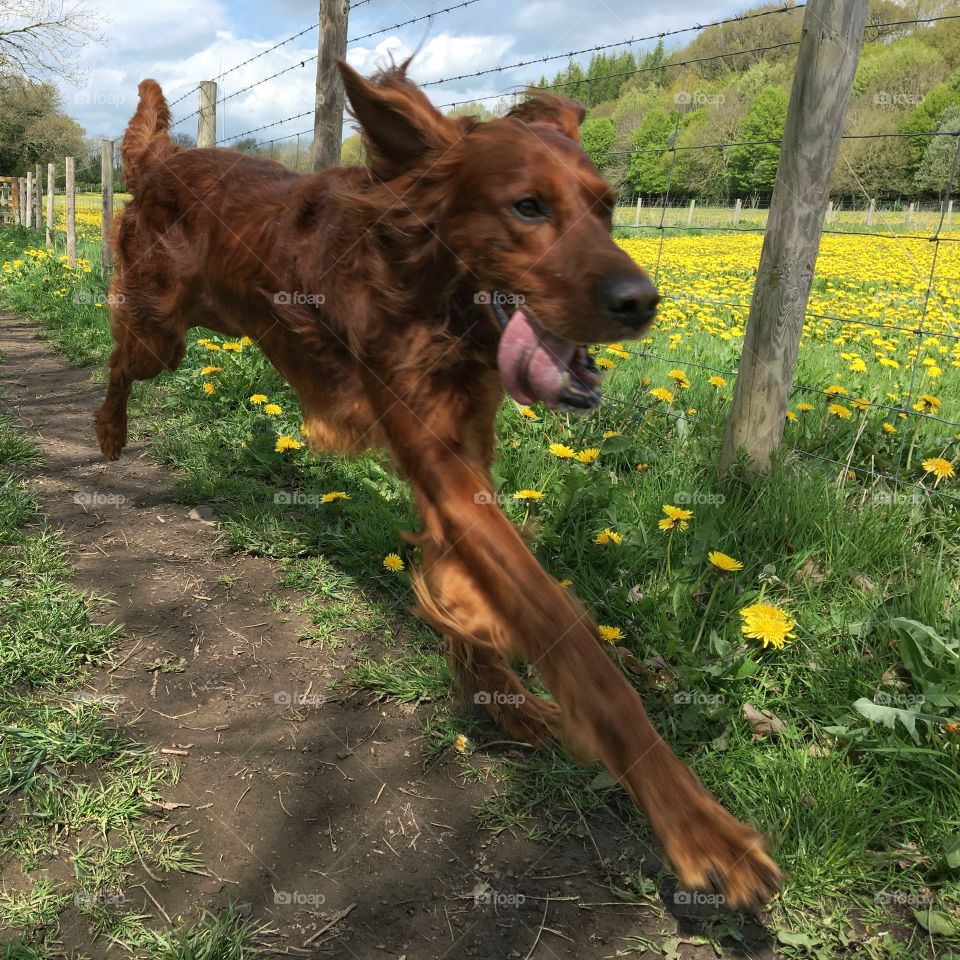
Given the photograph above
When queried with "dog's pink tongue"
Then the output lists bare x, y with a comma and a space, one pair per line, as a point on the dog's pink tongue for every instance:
533, 362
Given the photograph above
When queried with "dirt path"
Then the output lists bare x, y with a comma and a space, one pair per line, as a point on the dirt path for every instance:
301, 812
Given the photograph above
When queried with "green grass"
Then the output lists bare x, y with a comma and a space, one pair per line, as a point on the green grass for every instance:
857, 811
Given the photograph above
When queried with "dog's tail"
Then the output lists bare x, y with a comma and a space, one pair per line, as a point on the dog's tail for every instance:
146, 138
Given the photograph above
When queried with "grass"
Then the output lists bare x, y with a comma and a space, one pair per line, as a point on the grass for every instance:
860, 790
73, 785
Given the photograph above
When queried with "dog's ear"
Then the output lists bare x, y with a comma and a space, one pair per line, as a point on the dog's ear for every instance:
539, 107
398, 123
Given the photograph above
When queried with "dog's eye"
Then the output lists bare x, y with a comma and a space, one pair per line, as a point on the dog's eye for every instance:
531, 209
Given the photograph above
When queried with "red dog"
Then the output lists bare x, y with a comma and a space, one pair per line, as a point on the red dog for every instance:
380, 294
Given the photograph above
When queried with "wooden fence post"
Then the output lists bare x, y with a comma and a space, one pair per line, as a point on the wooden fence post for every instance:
910, 210
871, 213
636, 221
949, 212
51, 186
207, 122
737, 210
70, 198
21, 201
106, 216
830, 43
328, 115
38, 196
693, 206
28, 205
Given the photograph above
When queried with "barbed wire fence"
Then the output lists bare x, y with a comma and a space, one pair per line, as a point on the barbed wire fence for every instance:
654, 215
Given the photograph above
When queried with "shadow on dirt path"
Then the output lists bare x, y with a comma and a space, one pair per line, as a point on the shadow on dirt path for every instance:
302, 811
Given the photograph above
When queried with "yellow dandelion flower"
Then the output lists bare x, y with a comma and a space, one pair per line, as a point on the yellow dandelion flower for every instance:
804, 407
610, 434
210, 371
940, 468
528, 495
676, 518
588, 455
607, 536
273, 409
840, 411
615, 350
461, 744
889, 428
565, 583
835, 390
286, 443
334, 496
246, 342
561, 451
610, 634
212, 347
604, 363
662, 394
679, 378
643, 467
528, 413
259, 398
233, 347
717, 382
209, 388
723, 562
393, 562
768, 624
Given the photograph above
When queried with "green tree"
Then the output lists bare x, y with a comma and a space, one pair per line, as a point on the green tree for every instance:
598, 137
934, 170
650, 162
753, 166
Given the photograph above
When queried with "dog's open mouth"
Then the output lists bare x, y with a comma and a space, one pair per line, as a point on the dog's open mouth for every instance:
536, 365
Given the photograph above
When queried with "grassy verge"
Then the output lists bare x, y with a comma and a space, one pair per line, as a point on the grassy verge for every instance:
842, 744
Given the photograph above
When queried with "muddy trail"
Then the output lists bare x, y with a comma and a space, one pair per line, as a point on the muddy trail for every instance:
309, 805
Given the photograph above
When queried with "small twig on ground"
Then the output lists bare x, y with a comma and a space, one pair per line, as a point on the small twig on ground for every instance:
346, 911
543, 920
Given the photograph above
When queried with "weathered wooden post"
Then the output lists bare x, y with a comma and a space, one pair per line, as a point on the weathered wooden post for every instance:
910, 211
871, 213
38, 196
28, 203
737, 210
70, 199
693, 206
328, 115
830, 43
106, 213
51, 186
636, 221
949, 212
207, 122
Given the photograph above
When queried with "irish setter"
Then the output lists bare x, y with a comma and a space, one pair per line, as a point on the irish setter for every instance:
400, 300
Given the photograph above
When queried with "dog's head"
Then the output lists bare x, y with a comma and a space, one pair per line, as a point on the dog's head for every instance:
528, 218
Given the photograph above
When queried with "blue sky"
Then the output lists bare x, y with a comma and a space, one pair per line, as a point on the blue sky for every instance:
180, 42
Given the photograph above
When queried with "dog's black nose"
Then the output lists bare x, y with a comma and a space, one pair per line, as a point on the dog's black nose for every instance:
631, 300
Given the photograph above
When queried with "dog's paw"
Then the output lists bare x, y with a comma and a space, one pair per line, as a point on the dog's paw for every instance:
112, 438
711, 850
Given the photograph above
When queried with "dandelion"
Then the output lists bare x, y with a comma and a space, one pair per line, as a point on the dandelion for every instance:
528, 495
246, 342
610, 634
662, 394
889, 428
615, 350
561, 451
461, 744
210, 371
679, 378
273, 409
259, 398
835, 390
839, 411
334, 496
717, 382
860, 404
723, 562
927, 404
286, 443
610, 434
528, 413
209, 388
676, 518
940, 468
767, 623
604, 363
607, 536
643, 467
393, 563
212, 347
589, 455
233, 347
565, 583
791, 416
804, 407
858, 366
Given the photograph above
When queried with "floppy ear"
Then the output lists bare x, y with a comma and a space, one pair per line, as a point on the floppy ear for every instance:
566, 115
398, 123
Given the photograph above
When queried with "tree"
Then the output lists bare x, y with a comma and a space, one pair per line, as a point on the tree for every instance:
33, 126
651, 161
934, 170
753, 166
40, 38
598, 137
351, 153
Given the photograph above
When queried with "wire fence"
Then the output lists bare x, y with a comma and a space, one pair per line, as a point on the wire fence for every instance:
919, 234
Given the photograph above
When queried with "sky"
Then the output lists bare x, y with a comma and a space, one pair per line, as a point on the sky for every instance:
180, 42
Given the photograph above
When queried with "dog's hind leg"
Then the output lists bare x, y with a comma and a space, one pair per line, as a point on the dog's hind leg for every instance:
144, 348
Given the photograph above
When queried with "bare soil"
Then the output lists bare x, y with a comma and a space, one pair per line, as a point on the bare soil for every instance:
302, 812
